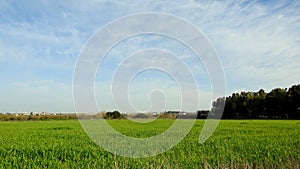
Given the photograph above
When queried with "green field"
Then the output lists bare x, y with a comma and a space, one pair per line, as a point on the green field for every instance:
235, 144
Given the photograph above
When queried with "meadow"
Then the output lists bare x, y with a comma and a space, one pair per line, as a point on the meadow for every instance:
235, 144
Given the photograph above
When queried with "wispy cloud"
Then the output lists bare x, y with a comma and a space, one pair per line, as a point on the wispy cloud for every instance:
258, 43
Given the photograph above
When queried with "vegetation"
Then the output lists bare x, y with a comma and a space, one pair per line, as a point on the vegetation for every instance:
141, 116
23, 117
235, 144
277, 104
45, 117
113, 115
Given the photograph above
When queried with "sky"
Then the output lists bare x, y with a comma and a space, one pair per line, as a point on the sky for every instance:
258, 44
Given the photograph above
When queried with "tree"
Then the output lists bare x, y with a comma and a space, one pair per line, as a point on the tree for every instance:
112, 115
218, 107
293, 97
116, 114
278, 103
202, 114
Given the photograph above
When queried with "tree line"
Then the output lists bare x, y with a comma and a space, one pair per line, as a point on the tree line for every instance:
279, 103
31, 117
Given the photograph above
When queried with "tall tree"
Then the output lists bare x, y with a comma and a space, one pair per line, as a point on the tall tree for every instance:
278, 103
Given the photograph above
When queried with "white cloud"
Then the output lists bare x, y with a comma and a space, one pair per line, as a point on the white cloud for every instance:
258, 41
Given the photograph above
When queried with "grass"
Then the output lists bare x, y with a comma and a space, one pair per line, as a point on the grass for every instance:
235, 144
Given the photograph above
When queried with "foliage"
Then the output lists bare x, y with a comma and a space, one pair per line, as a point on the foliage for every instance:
13, 117
277, 104
113, 115
235, 144
167, 116
202, 114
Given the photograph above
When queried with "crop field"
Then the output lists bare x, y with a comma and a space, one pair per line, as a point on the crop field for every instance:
235, 144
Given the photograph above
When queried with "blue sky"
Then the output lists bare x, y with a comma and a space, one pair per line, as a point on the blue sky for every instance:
258, 43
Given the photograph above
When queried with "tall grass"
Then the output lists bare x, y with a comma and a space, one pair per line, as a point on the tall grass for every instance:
235, 144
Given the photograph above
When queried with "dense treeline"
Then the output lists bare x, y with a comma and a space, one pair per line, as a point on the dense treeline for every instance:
277, 104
